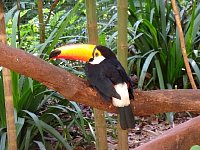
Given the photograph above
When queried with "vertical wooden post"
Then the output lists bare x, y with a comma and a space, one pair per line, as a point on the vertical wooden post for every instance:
122, 53
41, 22
100, 123
10, 120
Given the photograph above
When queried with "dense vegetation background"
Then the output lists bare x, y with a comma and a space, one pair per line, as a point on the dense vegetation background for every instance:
155, 62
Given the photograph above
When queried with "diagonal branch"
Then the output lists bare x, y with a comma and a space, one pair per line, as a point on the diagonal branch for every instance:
53, 5
77, 89
182, 41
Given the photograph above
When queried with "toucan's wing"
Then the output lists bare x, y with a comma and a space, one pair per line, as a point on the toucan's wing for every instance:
97, 78
127, 80
118, 74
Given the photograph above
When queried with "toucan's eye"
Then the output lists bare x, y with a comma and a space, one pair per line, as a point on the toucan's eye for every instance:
96, 54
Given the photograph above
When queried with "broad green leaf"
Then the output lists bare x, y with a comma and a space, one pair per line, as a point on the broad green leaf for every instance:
37, 123
15, 88
40, 145
195, 147
9, 14
67, 134
64, 24
195, 68
145, 68
3, 141
160, 75
56, 134
19, 125
153, 33
28, 138
189, 35
14, 29
2, 102
163, 18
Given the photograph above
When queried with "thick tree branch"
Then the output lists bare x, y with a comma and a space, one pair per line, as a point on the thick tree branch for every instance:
77, 89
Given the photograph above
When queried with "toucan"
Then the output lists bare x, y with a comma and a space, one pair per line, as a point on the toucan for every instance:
105, 73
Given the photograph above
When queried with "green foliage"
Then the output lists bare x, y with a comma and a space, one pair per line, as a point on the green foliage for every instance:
156, 43
153, 29
2, 104
195, 147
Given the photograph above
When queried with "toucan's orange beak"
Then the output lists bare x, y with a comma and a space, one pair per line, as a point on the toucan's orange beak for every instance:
82, 52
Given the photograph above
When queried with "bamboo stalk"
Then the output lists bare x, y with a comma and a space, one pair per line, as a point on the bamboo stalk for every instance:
100, 123
182, 42
122, 53
41, 22
10, 120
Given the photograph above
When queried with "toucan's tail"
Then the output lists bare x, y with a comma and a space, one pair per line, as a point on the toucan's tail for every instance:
126, 117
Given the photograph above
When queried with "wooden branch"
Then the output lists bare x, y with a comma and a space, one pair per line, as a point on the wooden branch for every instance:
53, 5
77, 89
182, 137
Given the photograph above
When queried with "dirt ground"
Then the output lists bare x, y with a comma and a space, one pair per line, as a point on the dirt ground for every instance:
147, 128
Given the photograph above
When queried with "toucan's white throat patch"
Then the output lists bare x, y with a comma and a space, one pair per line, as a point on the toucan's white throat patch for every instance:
97, 60
122, 90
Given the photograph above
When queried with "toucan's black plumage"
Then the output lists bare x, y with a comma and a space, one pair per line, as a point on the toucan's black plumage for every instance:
104, 76
105, 73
